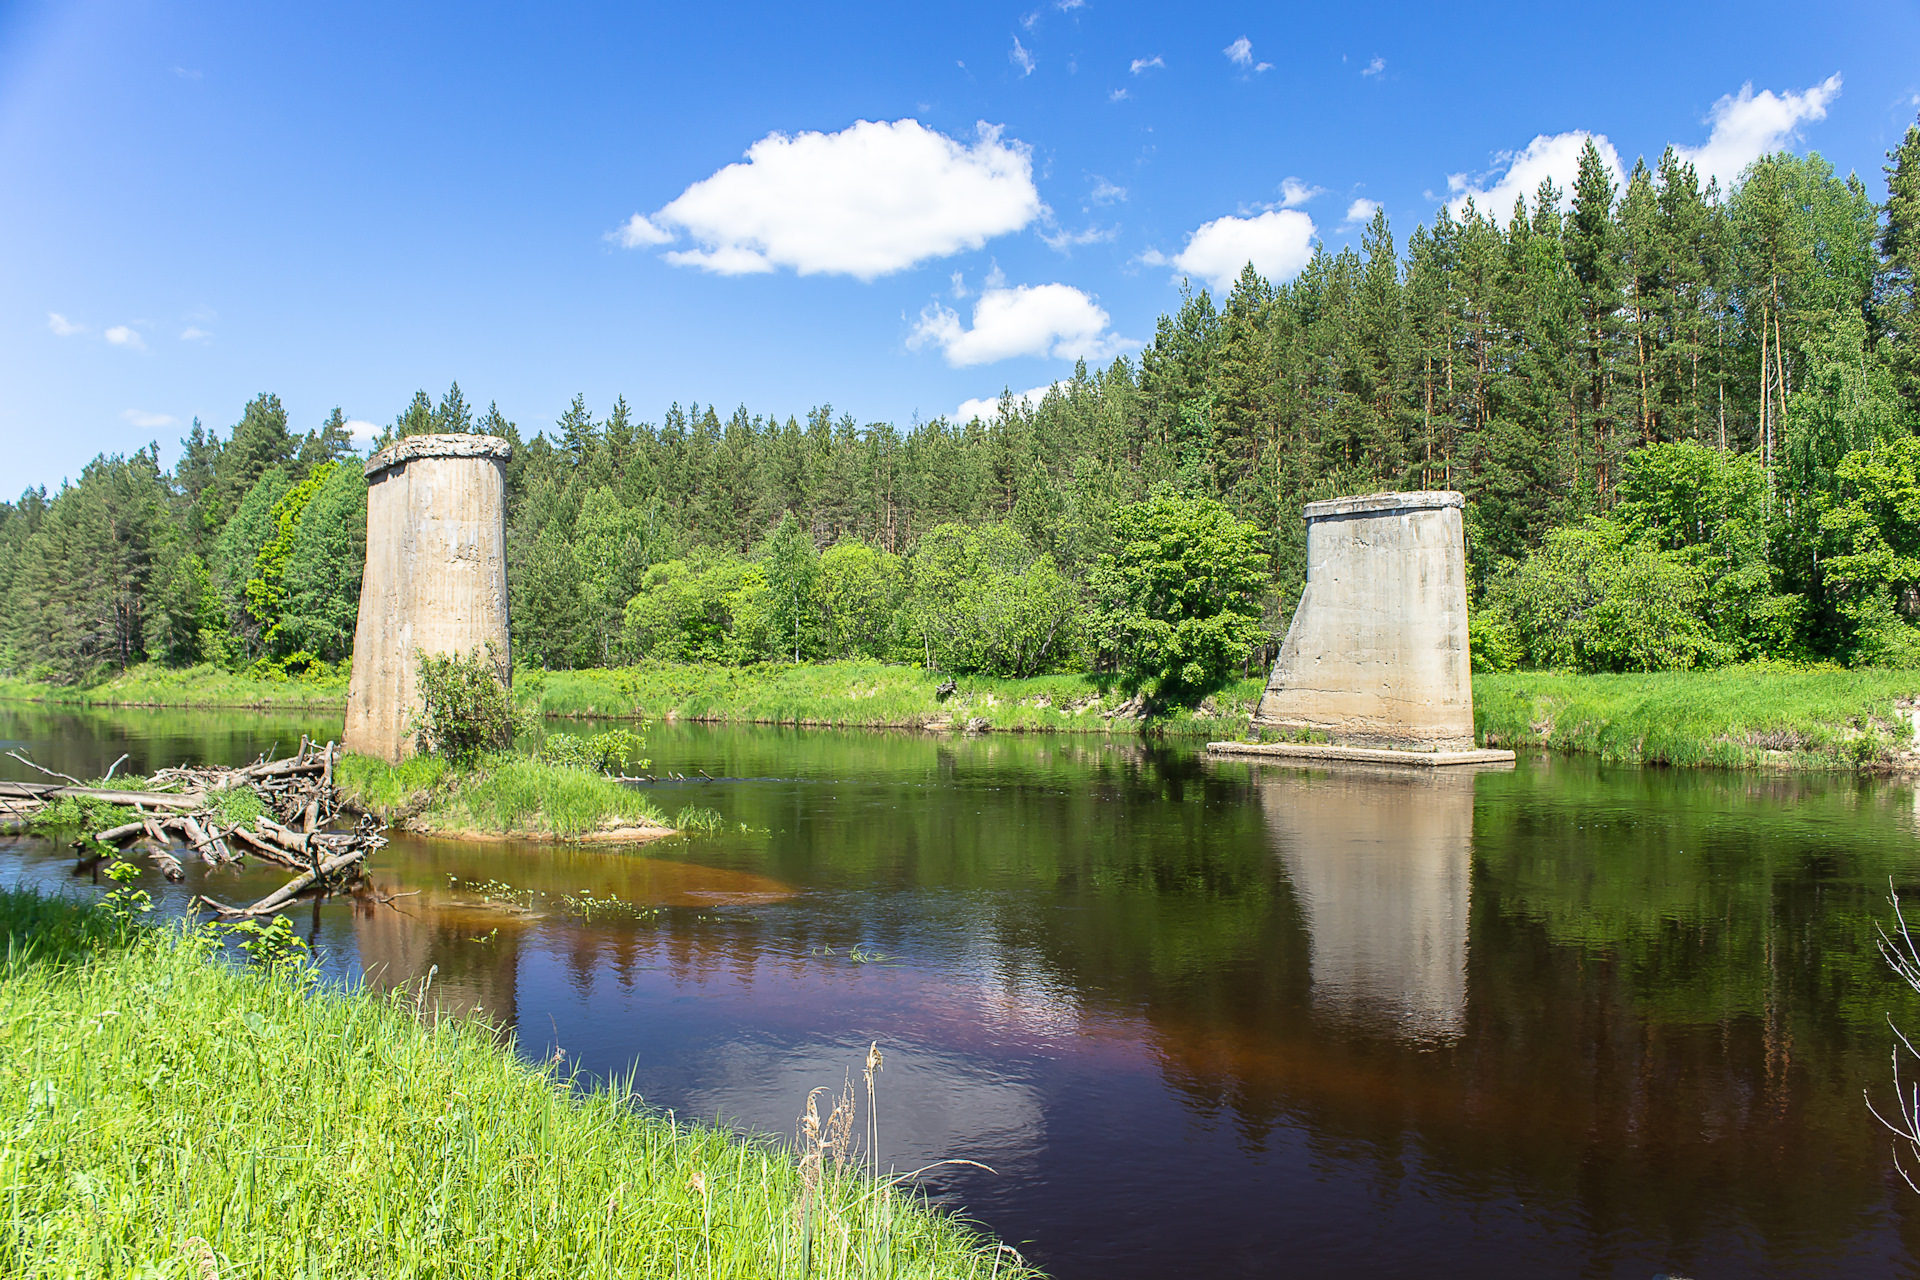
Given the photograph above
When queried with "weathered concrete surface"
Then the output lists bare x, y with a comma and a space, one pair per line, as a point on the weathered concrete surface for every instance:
436, 578
1377, 656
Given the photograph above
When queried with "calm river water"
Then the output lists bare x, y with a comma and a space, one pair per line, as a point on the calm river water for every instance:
1204, 1017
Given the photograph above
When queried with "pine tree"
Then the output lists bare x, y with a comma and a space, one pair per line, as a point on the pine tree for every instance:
1897, 293
1593, 254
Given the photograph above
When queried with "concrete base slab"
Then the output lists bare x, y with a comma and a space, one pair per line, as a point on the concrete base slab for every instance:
1370, 755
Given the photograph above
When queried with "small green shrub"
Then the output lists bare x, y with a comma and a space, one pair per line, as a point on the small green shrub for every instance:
614, 751
466, 707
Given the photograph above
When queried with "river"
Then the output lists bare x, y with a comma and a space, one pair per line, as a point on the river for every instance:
1199, 1017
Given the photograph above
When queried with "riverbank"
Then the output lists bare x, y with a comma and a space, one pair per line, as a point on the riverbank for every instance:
1736, 717
506, 797
840, 695
152, 685
173, 1114
871, 695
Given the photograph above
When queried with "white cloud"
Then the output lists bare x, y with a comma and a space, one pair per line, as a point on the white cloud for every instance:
1021, 57
62, 326
121, 336
1278, 243
1361, 210
145, 421
1555, 156
1027, 320
1143, 64
1105, 192
986, 409
1118, 95
637, 232
1747, 126
194, 333
362, 431
1294, 193
1240, 52
1375, 67
1068, 6
1061, 240
873, 199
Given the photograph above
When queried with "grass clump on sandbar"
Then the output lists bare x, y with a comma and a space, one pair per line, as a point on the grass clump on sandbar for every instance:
501, 795
172, 1114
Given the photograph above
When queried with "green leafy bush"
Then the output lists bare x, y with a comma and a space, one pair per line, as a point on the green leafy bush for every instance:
614, 751
466, 706
1180, 594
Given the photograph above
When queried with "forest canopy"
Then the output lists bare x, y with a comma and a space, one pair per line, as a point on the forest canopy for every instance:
1686, 421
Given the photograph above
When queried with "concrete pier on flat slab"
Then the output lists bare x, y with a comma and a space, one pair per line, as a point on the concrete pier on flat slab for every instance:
1375, 665
435, 581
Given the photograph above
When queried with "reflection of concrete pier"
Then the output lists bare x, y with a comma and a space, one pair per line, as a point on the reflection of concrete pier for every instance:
1382, 860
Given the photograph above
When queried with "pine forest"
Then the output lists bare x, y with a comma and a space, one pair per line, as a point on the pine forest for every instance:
1686, 422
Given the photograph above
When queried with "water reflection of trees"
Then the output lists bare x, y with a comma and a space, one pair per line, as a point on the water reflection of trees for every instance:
1649, 996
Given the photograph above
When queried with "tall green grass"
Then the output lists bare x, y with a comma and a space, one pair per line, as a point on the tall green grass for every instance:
521, 795
506, 795
864, 695
152, 685
170, 1115
1761, 715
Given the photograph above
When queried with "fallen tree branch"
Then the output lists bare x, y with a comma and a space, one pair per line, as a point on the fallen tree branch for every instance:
51, 773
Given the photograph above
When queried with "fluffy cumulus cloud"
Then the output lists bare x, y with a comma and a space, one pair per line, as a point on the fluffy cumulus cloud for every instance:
121, 336
1361, 210
1136, 67
1027, 320
1294, 193
149, 421
985, 409
873, 199
1374, 68
1747, 126
1278, 243
1555, 156
362, 431
63, 327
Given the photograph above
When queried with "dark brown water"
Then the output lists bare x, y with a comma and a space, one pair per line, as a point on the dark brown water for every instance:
1200, 1017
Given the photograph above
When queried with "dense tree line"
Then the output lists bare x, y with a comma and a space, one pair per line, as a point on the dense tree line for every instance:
1685, 421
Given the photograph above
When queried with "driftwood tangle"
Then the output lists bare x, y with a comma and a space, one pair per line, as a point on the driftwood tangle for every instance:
300, 799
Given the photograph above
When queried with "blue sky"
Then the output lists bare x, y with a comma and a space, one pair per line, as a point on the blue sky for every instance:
344, 203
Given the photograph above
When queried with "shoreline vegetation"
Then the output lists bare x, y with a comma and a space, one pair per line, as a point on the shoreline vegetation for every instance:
1762, 715
164, 1124
503, 797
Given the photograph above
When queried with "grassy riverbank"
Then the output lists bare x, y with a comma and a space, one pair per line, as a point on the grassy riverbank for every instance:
515, 796
152, 685
172, 1115
868, 695
1756, 716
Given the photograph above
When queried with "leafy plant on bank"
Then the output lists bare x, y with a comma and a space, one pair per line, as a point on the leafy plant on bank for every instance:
1182, 593
466, 705
614, 751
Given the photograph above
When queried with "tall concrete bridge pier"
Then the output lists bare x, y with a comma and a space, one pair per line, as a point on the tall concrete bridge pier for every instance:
1375, 664
436, 578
